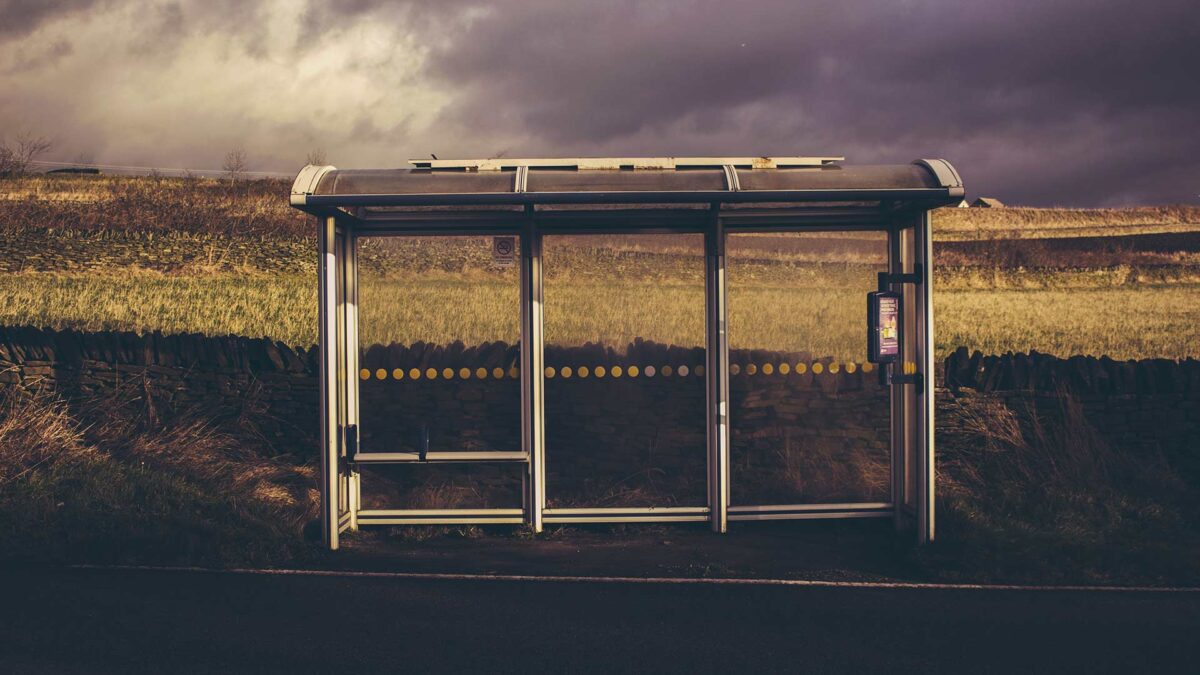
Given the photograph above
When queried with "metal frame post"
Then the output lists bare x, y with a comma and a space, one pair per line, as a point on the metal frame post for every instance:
925, 392
717, 377
350, 371
914, 472
328, 331
532, 383
903, 387
896, 391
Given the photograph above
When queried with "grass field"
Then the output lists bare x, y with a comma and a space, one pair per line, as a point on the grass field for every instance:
259, 207
189, 255
1120, 321
1021, 497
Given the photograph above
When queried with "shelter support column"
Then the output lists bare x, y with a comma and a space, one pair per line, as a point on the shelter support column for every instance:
327, 269
350, 348
912, 382
898, 399
717, 376
532, 344
923, 248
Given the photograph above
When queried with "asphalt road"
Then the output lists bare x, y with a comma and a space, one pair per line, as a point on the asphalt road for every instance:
166, 622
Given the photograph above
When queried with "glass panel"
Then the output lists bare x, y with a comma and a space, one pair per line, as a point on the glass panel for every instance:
624, 385
911, 466
477, 485
413, 181
439, 321
341, 347
809, 420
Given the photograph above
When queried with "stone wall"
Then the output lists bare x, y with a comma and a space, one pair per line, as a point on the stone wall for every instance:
226, 376
1146, 406
623, 427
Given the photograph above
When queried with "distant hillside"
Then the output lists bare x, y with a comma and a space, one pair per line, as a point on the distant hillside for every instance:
247, 208
259, 208
1020, 222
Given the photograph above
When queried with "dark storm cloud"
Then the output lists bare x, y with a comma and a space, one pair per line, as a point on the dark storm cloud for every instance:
53, 53
1050, 102
163, 26
320, 18
21, 17
164, 22
1040, 102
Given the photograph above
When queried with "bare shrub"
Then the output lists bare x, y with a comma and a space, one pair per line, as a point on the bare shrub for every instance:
235, 164
16, 156
316, 157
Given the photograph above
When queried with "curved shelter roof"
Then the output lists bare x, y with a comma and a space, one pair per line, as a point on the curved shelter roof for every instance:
632, 182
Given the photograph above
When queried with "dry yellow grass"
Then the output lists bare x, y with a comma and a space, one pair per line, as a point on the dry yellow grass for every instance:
1016, 223
139, 204
787, 293
1123, 321
260, 207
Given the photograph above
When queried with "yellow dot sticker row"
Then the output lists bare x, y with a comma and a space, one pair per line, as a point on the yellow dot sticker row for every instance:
435, 373
816, 367
599, 372
580, 372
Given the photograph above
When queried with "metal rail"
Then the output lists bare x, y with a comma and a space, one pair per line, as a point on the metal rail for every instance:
935, 196
441, 457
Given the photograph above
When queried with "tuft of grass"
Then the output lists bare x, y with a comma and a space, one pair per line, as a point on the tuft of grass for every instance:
1035, 493
439, 493
112, 480
812, 469
642, 485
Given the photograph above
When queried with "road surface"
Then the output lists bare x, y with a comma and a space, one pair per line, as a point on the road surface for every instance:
166, 622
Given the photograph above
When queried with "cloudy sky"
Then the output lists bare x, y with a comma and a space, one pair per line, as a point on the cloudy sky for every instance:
1041, 102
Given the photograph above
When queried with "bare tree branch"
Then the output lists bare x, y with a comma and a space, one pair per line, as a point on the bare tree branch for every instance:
16, 157
235, 164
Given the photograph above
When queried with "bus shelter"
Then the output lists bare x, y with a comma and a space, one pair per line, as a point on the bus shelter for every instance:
521, 206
